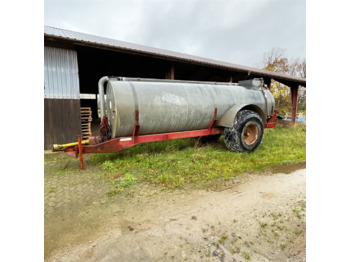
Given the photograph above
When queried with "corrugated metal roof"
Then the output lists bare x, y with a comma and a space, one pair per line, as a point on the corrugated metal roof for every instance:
92, 40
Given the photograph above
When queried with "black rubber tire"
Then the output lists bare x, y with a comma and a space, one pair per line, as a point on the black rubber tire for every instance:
234, 136
208, 139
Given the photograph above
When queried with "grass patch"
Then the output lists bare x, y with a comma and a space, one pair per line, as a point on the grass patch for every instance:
121, 184
181, 163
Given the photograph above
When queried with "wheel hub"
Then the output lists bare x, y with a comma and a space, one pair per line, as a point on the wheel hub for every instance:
250, 134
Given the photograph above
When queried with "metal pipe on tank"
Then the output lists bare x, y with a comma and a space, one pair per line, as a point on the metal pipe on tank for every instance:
266, 100
101, 92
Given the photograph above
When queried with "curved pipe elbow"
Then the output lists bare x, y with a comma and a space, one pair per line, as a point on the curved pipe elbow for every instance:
101, 92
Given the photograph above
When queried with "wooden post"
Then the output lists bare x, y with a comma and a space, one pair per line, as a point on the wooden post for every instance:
170, 74
294, 93
230, 79
268, 83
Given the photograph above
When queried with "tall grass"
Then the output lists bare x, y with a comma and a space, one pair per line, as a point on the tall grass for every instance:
178, 163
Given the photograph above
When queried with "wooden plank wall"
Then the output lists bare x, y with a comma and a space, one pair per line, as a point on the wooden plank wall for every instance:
61, 121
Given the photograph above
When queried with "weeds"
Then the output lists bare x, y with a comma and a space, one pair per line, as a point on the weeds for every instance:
124, 182
263, 224
246, 255
299, 211
235, 250
223, 239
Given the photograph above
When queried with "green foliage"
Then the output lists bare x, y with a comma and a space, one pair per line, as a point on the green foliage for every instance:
126, 181
180, 163
121, 184
282, 97
275, 60
109, 166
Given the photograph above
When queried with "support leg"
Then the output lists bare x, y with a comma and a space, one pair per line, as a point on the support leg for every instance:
294, 93
80, 153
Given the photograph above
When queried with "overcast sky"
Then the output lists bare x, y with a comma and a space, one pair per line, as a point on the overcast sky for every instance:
234, 31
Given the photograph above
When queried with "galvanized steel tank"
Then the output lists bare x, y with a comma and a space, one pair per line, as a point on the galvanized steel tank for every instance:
170, 106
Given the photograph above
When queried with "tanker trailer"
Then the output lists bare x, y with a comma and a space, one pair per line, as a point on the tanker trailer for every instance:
138, 110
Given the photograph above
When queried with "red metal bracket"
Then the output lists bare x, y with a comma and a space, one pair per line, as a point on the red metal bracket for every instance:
214, 119
135, 132
136, 127
104, 129
80, 153
271, 122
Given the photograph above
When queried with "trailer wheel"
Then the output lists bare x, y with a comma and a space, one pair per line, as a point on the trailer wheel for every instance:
246, 133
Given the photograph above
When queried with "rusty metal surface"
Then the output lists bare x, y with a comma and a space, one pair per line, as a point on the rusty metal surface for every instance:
103, 42
250, 134
173, 106
271, 122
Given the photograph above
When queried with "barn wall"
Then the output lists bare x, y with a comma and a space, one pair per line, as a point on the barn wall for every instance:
61, 96
61, 121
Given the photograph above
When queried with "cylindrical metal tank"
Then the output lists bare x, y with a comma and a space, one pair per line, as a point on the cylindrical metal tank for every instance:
170, 106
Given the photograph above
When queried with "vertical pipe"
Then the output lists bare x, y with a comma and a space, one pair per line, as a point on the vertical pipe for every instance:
101, 93
294, 94
266, 101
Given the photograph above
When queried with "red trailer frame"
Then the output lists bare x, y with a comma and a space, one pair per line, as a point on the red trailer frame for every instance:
103, 145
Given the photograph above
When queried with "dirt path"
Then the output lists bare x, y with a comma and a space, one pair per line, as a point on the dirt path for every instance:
260, 219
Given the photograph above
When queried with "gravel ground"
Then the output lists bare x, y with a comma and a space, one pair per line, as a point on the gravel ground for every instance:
260, 218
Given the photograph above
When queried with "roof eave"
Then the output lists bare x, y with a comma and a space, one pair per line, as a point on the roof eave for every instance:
213, 63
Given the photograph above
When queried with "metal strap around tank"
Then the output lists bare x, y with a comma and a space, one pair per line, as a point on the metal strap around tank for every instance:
187, 118
136, 103
213, 96
136, 99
